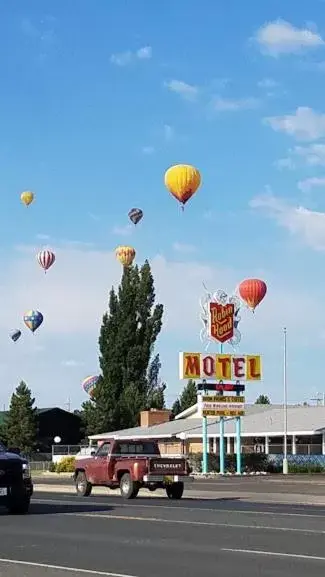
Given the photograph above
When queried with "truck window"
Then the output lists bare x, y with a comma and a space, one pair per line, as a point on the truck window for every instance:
104, 450
137, 448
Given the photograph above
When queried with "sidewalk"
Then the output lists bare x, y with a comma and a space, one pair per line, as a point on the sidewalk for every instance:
243, 496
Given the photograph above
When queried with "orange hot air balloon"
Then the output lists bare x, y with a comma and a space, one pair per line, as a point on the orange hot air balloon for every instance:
182, 181
125, 254
252, 291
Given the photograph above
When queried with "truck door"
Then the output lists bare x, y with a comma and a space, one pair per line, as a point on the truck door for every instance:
101, 461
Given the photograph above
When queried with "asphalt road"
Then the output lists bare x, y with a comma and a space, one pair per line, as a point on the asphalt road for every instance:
155, 537
291, 484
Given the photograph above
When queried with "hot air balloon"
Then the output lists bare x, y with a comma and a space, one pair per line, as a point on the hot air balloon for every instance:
33, 320
125, 254
46, 258
135, 215
252, 291
27, 197
15, 335
89, 384
182, 181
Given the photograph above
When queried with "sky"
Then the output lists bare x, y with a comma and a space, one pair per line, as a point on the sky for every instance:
95, 104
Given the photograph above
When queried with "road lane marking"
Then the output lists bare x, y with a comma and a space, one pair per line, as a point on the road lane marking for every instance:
198, 523
62, 568
275, 554
86, 503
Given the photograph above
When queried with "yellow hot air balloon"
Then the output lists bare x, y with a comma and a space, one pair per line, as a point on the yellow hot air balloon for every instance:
27, 197
182, 181
125, 254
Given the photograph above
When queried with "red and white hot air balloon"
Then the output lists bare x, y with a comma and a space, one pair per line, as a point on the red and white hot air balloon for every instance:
252, 291
45, 259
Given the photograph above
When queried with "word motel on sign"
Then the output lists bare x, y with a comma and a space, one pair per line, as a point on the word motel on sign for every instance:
220, 367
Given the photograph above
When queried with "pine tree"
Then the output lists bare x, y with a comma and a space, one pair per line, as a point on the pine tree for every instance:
21, 423
127, 337
187, 398
263, 400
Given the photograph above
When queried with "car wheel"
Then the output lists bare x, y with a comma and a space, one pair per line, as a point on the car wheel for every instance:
129, 488
175, 490
83, 487
19, 506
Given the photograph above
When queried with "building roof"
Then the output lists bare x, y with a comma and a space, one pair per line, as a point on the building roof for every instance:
259, 421
3, 414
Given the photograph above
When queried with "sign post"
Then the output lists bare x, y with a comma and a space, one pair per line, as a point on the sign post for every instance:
221, 368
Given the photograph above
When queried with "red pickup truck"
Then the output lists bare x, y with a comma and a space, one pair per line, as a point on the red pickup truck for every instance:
131, 465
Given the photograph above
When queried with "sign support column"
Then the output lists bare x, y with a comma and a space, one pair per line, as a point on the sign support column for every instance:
221, 437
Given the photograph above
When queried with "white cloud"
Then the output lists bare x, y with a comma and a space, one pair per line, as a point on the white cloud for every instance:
314, 154
71, 363
184, 248
285, 163
74, 295
309, 183
281, 37
267, 83
148, 150
144, 53
304, 124
42, 236
124, 58
187, 91
169, 132
123, 230
306, 224
232, 105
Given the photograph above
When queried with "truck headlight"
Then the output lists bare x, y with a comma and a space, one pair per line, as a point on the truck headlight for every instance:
26, 471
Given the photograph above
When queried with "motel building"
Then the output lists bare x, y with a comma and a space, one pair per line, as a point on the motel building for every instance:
262, 430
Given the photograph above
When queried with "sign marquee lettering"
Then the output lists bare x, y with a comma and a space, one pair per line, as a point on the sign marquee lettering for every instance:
220, 367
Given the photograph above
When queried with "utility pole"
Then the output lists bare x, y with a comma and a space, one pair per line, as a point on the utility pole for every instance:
68, 404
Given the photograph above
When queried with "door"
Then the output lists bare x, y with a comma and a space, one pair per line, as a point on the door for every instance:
101, 460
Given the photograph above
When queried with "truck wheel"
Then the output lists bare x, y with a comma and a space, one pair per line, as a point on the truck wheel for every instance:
129, 489
19, 506
83, 488
175, 490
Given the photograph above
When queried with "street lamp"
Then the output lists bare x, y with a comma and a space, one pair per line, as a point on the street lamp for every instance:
285, 406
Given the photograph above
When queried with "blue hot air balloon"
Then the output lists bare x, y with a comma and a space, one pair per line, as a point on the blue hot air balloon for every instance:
33, 319
15, 335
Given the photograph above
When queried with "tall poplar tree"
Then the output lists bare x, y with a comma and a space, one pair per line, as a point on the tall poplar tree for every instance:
127, 338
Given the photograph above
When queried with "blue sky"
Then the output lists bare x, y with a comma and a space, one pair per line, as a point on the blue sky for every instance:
95, 105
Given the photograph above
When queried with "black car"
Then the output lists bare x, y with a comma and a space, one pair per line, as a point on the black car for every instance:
16, 486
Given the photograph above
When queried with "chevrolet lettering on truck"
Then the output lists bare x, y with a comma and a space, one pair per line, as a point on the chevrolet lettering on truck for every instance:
131, 465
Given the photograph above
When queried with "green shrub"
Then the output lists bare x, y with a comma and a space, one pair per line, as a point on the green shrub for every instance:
251, 462
52, 468
306, 468
66, 465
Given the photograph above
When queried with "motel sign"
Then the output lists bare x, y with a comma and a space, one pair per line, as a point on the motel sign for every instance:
220, 367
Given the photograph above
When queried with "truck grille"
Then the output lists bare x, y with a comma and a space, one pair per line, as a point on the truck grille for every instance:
10, 473
167, 466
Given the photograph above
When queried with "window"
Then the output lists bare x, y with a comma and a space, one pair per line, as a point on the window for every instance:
104, 450
145, 448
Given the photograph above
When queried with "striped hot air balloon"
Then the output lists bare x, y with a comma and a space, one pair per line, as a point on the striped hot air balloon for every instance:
46, 258
135, 215
89, 384
125, 254
33, 319
252, 291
